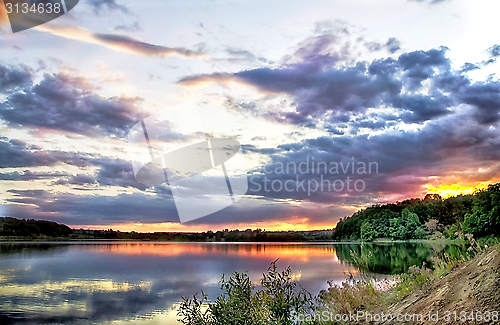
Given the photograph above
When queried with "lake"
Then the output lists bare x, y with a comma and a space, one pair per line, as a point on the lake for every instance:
142, 282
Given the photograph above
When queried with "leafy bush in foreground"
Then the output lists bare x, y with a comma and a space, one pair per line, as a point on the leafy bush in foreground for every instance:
274, 304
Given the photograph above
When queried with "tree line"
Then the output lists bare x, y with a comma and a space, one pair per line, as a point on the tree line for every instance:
13, 227
30, 229
432, 217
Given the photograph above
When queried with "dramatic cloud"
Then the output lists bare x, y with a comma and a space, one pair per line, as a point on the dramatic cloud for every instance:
65, 103
419, 86
404, 162
413, 115
457, 118
119, 42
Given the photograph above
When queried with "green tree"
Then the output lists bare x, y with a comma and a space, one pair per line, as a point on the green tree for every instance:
485, 216
406, 227
368, 233
412, 223
397, 229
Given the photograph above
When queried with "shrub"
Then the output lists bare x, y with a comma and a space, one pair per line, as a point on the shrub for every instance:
275, 304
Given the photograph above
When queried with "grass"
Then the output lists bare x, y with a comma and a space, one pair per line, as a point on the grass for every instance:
350, 296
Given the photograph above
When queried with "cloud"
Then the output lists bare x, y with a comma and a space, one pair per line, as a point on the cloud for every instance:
450, 146
201, 80
494, 53
119, 42
240, 56
148, 209
135, 27
323, 50
19, 154
28, 175
425, 121
94, 209
405, 161
420, 108
419, 86
65, 103
15, 153
12, 78
111, 172
79, 179
101, 6
419, 66
393, 45
486, 98
117, 172
152, 206
469, 67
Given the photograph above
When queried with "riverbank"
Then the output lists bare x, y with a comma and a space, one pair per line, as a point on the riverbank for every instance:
468, 294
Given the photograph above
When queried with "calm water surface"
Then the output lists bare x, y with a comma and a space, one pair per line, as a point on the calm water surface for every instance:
141, 283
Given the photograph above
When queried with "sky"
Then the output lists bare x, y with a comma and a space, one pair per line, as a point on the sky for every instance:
337, 105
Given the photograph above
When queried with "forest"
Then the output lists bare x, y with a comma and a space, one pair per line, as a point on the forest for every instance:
428, 218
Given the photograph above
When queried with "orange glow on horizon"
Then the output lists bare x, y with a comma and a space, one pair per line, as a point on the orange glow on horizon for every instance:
447, 191
295, 224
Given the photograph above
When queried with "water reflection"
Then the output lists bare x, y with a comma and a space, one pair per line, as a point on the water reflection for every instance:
28, 250
120, 283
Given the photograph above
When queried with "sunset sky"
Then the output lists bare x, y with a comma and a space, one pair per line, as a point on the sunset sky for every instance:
411, 86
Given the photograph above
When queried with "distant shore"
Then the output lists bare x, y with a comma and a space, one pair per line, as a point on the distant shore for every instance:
15, 239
